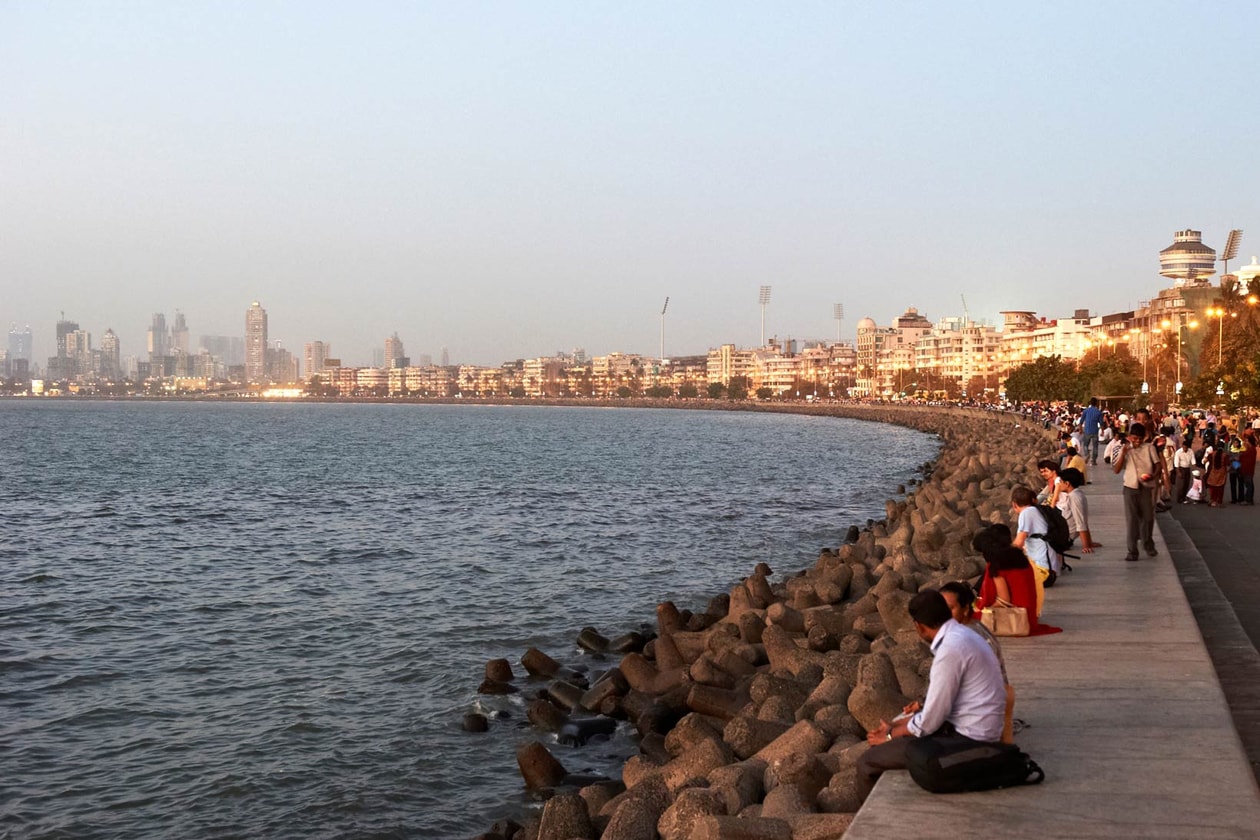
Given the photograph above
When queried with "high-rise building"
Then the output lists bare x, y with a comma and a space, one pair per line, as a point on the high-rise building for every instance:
316, 352
159, 339
64, 328
446, 358
229, 349
179, 335
395, 356
19, 343
256, 343
79, 350
111, 367
282, 366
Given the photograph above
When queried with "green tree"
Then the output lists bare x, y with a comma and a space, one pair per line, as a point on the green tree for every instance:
764, 393
716, 390
659, 392
1047, 378
624, 391
688, 392
1113, 376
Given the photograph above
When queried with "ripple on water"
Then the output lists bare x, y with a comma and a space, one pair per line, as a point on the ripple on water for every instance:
280, 638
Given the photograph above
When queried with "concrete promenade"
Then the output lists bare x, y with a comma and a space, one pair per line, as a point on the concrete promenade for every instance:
1127, 716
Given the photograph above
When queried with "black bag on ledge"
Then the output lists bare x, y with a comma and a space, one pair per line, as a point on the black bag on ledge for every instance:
954, 764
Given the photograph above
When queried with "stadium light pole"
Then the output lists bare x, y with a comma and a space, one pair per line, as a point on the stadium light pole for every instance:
663, 308
764, 298
837, 312
1231, 249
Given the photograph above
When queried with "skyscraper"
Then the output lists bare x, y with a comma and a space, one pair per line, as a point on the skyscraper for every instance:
19, 343
316, 353
179, 335
255, 343
159, 338
395, 356
111, 367
64, 328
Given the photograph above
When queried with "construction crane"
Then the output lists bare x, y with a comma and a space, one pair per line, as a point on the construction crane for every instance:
966, 317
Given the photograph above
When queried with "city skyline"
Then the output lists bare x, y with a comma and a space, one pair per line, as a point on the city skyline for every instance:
507, 181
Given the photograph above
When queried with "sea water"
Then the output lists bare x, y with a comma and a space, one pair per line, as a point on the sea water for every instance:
268, 620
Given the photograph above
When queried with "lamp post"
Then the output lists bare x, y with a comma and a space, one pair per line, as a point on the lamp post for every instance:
1219, 314
1181, 325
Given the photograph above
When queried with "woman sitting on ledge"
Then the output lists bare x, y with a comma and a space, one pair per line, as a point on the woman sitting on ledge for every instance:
1008, 576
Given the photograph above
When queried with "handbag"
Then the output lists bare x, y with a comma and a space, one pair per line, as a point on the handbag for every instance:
1005, 619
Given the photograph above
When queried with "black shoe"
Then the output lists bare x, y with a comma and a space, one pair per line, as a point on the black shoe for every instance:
1151, 552
1132, 558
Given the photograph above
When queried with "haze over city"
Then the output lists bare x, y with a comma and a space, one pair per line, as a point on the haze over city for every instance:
509, 180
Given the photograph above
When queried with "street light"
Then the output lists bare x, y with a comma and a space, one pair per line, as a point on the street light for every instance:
1219, 314
1181, 325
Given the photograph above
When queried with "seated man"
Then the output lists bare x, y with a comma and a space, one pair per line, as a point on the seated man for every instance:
1031, 537
966, 693
1070, 500
1049, 472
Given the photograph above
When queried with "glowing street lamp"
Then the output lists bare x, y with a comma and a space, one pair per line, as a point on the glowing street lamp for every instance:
1181, 325
1219, 314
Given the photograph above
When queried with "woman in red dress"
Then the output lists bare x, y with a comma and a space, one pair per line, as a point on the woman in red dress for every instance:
1008, 577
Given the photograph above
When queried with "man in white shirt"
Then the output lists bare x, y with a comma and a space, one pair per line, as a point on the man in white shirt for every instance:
1183, 464
966, 694
1071, 501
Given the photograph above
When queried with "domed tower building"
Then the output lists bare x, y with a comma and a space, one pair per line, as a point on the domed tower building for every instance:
1188, 262
1178, 310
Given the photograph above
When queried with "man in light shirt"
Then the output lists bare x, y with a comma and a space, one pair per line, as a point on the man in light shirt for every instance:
966, 693
1183, 464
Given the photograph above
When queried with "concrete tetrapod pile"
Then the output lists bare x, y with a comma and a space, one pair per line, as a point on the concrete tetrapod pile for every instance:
752, 714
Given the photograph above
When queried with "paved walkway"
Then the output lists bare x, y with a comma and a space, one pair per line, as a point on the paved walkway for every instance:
1127, 717
1215, 554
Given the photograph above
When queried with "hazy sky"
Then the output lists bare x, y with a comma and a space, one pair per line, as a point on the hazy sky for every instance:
513, 179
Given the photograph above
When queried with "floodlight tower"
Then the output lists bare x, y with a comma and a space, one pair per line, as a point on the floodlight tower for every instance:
764, 297
1231, 249
663, 308
837, 312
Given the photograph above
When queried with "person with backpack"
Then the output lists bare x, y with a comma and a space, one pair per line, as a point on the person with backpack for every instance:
966, 694
1030, 535
1070, 501
1143, 474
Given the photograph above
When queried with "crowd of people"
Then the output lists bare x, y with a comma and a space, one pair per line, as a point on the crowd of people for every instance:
1162, 460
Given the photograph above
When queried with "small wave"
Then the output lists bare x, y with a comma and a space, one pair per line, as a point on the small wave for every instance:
42, 577
85, 680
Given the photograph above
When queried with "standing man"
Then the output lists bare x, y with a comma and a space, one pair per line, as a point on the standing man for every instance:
1090, 418
966, 693
1143, 476
1183, 464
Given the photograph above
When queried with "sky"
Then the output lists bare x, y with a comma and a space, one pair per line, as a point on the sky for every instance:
509, 180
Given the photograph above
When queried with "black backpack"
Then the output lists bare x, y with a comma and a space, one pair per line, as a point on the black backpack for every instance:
1058, 535
954, 764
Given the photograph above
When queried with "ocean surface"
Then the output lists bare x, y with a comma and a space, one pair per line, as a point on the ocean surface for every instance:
267, 621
